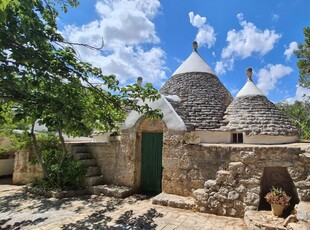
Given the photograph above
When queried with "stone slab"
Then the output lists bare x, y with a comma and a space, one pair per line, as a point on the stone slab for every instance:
303, 211
111, 191
260, 220
174, 201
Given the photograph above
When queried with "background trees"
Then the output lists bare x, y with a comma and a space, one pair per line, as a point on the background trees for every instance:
299, 111
303, 54
299, 114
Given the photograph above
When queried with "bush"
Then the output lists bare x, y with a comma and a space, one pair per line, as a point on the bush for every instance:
70, 175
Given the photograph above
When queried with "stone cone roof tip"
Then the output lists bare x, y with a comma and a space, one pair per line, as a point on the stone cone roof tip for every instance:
249, 89
194, 63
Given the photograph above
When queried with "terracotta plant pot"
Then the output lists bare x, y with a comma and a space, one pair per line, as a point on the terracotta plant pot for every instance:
277, 209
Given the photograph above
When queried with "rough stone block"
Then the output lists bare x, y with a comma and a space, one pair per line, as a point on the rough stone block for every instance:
233, 195
248, 157
111, 191
236, 167
222, 176
94, 180
298, 226
251, 199
290, 219
303, 211
210, 185
200, 195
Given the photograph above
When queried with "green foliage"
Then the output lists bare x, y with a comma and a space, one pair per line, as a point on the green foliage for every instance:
69, 175
303, 54
299, 114
13, 128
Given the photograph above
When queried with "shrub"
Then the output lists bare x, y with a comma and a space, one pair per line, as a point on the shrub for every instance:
69, 175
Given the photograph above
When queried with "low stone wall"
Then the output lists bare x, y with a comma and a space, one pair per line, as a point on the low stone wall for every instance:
226, 180
117, 166
25, 170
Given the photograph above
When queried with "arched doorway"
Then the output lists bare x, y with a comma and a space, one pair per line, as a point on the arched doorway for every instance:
151, 162
149, 152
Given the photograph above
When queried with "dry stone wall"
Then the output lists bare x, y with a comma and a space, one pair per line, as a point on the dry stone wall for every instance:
226, 180
25, 170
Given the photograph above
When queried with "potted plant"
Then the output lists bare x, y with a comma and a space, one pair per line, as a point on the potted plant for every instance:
278, 200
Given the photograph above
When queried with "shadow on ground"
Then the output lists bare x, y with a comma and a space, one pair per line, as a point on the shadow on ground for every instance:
21, 224
100, 220
11, 203
19, 201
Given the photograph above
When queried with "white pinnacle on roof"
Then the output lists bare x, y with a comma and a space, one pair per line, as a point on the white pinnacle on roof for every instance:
194, 63
249, 89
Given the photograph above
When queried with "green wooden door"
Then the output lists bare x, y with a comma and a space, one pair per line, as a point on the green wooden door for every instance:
151, 163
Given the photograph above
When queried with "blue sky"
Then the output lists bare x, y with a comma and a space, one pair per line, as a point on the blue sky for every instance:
152, 38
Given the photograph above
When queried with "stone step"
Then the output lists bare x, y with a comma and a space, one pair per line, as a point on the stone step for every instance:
79, 149
89, 162
175, 201
94, 180
111, 191
93, 171
80, 156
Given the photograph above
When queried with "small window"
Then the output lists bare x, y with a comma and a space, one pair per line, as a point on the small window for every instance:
237, 138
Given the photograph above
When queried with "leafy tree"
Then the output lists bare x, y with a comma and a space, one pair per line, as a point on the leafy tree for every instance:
299, 114
303, 54
42, 75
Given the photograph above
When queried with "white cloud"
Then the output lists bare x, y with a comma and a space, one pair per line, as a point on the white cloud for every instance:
221, 67
205, 35
249, 40
126, 27
269, 76
299, 95
246, 42
290, 50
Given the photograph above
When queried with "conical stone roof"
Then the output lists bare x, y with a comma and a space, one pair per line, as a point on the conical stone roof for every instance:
203, 98
252, 113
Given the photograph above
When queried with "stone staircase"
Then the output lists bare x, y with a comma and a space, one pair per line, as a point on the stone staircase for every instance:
94, 180
93, 175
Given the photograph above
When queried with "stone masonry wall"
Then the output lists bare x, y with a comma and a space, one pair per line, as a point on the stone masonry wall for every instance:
25, 171
226, 180
116, 160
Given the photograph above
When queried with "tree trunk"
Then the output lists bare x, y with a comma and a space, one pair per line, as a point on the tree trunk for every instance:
37, 152
62, 141
64, 151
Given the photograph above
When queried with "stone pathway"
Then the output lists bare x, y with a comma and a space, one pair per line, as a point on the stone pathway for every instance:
19, 210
